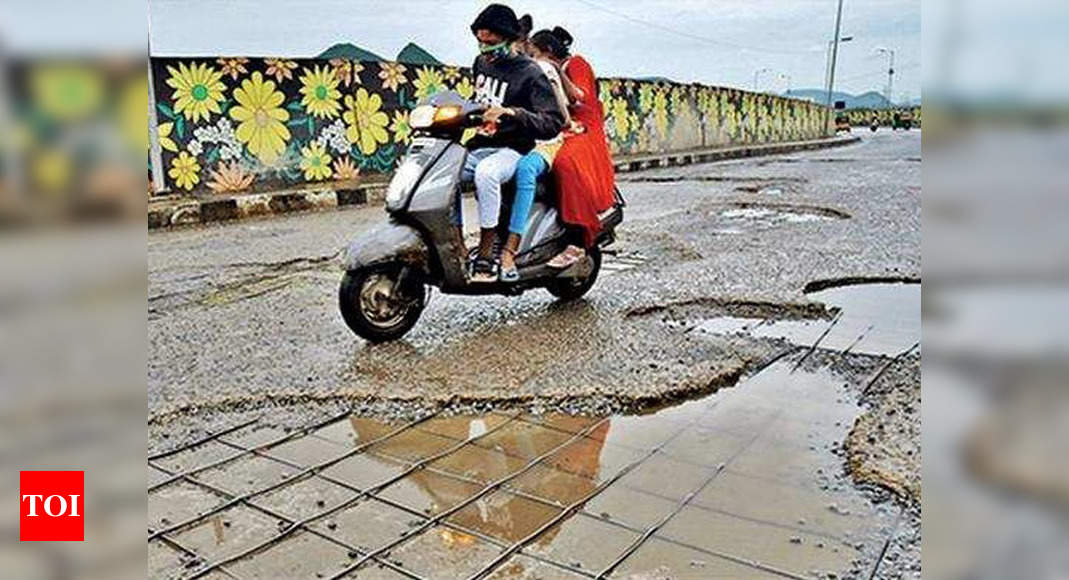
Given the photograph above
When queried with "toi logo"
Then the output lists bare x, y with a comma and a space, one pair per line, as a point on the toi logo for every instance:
51, 506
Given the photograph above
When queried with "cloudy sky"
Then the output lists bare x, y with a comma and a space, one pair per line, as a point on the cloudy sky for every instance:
712, 41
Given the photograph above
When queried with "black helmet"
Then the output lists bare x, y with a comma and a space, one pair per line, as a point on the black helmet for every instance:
500, 19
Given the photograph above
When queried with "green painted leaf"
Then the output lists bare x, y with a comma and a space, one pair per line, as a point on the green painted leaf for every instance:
180, 127
165, 110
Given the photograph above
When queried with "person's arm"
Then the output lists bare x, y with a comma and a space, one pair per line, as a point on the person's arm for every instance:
557, 83
575, 94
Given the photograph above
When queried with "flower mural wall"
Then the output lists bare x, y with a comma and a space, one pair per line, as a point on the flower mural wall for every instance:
235, 124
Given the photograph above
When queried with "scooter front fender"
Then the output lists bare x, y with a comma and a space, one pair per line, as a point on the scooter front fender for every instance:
390, 242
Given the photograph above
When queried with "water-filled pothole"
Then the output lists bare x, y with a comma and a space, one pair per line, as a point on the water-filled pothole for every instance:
882, 319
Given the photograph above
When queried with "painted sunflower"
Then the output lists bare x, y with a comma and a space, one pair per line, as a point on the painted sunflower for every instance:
620, 118
660, 112
315, 162
320, 89
451, 73
66, 92
262, 122
464, 88
401, 129
428, 82
198, 90
185, 171
366, 123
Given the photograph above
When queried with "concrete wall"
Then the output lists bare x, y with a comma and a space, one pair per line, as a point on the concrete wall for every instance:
252, 124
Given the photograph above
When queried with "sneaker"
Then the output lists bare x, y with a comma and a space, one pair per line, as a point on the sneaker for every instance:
509, 275
483, 271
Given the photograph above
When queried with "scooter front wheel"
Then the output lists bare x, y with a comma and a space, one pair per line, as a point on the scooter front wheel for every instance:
377, 304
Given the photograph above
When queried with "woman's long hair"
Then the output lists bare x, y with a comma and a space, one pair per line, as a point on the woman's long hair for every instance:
548, 42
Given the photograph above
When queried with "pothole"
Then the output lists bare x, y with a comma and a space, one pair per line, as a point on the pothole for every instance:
738, 217
878, 319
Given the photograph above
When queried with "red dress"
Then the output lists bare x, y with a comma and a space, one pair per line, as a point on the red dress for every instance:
583, 168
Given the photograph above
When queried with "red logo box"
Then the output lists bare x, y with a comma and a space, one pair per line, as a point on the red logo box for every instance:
51, 506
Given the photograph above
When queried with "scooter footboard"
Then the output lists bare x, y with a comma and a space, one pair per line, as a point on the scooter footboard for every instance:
391, 242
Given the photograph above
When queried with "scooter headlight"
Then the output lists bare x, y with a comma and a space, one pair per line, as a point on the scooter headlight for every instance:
421, 117
403, 180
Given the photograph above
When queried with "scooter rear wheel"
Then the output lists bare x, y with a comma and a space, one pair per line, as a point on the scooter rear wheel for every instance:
574, 288
376, 307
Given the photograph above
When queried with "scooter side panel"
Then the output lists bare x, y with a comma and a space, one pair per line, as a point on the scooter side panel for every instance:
389, 242
542, 226
432, 207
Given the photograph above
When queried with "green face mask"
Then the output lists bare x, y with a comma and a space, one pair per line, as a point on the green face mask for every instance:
499, 49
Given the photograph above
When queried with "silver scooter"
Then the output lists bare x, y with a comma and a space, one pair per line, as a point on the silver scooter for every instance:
387, 270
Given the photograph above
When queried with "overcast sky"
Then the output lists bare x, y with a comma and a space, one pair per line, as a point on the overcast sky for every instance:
711, 41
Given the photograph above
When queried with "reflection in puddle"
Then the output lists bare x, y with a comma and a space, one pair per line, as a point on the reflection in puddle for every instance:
773, 492
874, 319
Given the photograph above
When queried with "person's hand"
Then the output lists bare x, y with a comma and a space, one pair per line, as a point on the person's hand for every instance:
576, 127
493, 114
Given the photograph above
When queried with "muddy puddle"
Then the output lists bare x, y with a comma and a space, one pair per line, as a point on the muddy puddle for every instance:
742, 483
879, 319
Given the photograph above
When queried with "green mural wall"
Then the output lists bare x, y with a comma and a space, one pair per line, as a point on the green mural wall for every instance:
235, 124
864, 116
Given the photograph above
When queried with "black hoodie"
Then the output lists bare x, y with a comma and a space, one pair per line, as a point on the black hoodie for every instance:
517, 82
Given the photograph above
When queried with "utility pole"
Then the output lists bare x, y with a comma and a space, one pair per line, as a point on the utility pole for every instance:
834, 57
890, 74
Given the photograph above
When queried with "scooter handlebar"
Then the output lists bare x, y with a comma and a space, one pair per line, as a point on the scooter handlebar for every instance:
474, 118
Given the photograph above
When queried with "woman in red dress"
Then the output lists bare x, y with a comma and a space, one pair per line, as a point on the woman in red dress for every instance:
582, 170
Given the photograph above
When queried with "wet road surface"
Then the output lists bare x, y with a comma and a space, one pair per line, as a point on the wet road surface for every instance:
732, 485
245, 315
500, 438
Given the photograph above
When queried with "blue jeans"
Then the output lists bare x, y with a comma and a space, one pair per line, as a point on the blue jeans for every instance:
528, 169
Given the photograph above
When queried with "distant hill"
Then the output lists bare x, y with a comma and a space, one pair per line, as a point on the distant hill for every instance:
412, 53
350, 51
869, 100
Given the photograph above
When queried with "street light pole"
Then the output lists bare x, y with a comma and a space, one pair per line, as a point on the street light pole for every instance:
757, 72
834, 53
890, 73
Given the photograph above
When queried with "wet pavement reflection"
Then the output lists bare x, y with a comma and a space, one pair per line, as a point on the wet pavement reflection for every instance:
743, 482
